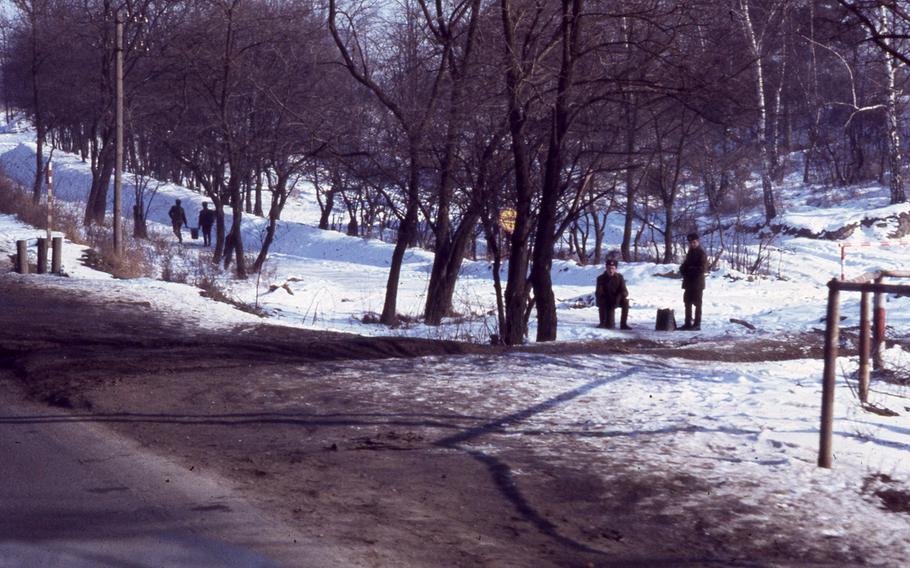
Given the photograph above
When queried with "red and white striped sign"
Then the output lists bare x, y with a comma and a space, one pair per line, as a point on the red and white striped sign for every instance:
50, 200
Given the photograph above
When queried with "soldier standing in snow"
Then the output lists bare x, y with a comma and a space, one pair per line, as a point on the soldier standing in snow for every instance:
178, 219
693, 271
611, 293
206, 220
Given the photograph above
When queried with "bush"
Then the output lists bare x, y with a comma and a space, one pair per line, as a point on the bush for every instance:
15, 200
156, 256
134, 260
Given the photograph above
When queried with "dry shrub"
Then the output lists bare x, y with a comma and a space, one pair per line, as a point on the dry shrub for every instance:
134, 260
207, 281
153, 257
15, 201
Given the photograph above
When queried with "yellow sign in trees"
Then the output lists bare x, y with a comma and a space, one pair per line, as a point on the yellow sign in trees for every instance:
507, 220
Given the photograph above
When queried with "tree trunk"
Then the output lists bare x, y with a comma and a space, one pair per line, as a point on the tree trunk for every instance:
140, 229
892, 111
327, 202
101, 186
257, 203
541, 278
327, 208
237, 211
279, 198
766, 149
40, 128
39, 162
668, 233
407, 232
220, 230
599, 229
455, 254
447, 254
631, 124
491, 233
516, 295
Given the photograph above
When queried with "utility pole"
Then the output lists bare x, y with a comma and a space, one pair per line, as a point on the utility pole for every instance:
118, 165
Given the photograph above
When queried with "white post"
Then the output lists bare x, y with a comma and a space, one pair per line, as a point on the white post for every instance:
50, 199
843, 255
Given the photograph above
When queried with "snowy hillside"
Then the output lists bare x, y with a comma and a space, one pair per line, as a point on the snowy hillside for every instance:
327, 280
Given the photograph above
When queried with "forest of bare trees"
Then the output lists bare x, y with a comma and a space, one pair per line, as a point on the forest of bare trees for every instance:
421, 121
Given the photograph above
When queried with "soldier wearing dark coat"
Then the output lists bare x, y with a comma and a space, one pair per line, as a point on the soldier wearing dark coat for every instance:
206, 220
693, 271
611, 293
178, 219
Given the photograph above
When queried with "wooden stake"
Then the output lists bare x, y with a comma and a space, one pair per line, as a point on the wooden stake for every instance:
22, 257
42, 255
57, 255
832, 329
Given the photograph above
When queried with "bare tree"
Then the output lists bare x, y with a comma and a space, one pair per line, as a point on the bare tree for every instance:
758, 39
36, 21
458, 40
411, 102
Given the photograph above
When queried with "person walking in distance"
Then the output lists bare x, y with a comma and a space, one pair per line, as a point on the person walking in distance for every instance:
206, 220
693, 271
178, 219
611, 293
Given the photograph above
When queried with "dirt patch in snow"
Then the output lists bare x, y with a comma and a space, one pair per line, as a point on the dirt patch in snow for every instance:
310, 426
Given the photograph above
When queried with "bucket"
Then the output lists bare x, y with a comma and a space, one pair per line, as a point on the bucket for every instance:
194, 232
666, 321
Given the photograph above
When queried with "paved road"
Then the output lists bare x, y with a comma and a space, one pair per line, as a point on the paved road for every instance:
74, 495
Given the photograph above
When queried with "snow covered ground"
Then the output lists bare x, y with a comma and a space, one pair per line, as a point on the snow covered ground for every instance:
333, 280
758, 420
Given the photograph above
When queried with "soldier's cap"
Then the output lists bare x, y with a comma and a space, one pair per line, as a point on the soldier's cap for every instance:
612, 263
692, 236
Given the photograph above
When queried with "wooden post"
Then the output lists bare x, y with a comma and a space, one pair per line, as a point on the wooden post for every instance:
864, 347
832, 328
878, 327
42, 255
22, 257
57, 255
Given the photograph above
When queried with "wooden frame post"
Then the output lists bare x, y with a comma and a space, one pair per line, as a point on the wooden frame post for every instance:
832, 327
864, 347
878, 327
832, 335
